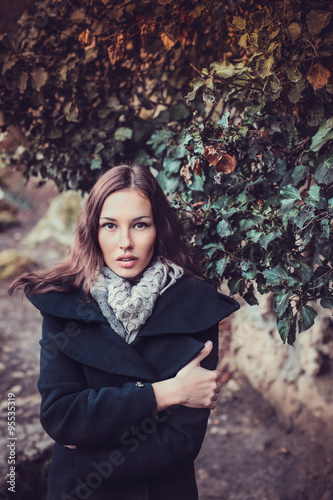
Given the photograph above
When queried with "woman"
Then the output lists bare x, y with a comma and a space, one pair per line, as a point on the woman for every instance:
129, 349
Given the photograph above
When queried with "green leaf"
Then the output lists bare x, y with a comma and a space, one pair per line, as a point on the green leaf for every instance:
295, 93
243, 40
300, 172
323, 135
306, 318
171, 165
289, 194
282, 301
323, 276
224, 120
279, 276
221, 265
250, 298
294, 73
249, 270
236, 285
123, 133
317, 20
96, 163
266, 239
246, 224
254, 235
324, 172
286, 325
38, 78
304, 272
197, 84
179, 112
223, 228
313, 194
268, 158
225, 69
264, 66
327, 302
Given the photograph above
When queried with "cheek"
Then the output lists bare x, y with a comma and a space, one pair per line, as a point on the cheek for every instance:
153, 242
104, 241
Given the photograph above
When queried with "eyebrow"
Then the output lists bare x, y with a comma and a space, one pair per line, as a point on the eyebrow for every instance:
136, 218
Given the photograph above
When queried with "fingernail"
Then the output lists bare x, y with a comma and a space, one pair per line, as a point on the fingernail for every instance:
208, 343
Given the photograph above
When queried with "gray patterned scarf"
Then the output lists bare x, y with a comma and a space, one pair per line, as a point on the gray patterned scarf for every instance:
127, 306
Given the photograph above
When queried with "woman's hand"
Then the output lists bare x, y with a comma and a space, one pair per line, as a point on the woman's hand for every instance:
193, 386
198, 387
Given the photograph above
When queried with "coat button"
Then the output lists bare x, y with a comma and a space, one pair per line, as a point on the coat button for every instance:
139, 384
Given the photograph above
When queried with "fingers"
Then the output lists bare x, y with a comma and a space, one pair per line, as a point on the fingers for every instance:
203, 353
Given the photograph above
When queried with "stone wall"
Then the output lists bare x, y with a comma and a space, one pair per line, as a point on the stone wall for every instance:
297, 380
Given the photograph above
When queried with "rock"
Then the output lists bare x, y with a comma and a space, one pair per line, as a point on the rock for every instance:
7, 219
58, 222
8, 213
297, 380
13, 263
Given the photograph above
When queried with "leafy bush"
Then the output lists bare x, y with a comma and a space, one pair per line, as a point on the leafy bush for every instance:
246, 157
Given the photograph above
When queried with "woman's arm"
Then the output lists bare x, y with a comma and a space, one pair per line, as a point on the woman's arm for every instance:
163, 444
72, 413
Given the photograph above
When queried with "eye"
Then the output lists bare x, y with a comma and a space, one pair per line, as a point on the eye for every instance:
140, 225
109, 225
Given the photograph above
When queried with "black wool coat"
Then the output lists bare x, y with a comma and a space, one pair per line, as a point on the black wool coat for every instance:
97, 395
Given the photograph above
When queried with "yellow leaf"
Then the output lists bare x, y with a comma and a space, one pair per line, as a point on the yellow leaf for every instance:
318, 76
168, 40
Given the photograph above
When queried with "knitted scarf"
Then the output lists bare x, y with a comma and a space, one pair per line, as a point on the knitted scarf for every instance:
127, 306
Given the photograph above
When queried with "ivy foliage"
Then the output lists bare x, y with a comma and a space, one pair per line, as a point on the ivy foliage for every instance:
245, 154
90, 80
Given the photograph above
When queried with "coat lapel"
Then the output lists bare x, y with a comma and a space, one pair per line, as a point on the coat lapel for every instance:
98, 346
188, 307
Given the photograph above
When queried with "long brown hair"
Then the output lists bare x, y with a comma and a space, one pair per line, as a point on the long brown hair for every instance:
85, 258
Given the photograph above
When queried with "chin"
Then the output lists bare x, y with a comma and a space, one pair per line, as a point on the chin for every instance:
127, 273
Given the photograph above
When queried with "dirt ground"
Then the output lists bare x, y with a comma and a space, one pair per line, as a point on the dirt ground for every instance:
247, 453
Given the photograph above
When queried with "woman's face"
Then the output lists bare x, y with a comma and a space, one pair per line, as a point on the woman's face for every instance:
127, 232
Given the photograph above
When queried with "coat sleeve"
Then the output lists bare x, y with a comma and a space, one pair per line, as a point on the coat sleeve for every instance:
177, 441
160, 445
71, 412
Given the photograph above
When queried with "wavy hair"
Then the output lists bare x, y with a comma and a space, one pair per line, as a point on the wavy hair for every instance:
85, 259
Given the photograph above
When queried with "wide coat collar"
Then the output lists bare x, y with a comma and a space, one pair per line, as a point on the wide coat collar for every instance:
185, 309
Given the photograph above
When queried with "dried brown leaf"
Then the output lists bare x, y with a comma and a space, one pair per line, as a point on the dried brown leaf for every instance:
222, 162
168, 40
318, 76
226, 165
197, 167
116, 50
185, 172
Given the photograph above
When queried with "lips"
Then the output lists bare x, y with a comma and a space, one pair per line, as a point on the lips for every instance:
127, 257
126, 260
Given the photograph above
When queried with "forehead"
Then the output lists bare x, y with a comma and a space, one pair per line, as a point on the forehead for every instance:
126, 202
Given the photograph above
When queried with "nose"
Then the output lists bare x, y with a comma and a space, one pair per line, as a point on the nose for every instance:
125, 241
